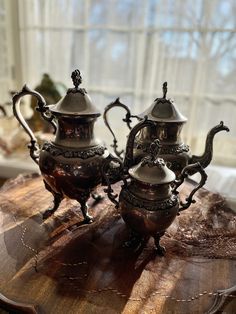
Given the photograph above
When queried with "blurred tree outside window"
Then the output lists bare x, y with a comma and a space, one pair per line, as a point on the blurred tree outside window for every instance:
127, 49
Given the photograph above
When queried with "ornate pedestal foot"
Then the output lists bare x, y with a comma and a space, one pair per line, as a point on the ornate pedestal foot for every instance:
97, 197
135, 241
160, 249
56, 201
84, 208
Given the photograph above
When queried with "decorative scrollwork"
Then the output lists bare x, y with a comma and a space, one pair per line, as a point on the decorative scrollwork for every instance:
164, 150
148, 205
68, 153
175, 149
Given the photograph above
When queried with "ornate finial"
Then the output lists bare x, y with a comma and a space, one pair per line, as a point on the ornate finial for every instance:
152, 159
164, 88
154, 149
76, 78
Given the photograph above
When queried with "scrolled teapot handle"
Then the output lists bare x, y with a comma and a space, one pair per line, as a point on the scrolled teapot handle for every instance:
129, 152
184, 174
119, 175
127, 120
42, 108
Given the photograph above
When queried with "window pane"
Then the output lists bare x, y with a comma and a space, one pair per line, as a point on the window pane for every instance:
112, 59
115, 12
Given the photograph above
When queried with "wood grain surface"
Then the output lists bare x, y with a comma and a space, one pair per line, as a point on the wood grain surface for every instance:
62, 266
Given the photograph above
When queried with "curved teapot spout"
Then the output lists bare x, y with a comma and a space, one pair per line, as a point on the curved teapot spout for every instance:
206, 157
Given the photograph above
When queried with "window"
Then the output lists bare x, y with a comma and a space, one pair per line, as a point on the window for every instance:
128, 48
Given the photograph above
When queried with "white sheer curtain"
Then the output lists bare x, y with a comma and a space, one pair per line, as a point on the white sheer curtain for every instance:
5, 54
128, 48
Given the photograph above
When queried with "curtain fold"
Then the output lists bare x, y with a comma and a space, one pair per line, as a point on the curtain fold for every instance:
128, 48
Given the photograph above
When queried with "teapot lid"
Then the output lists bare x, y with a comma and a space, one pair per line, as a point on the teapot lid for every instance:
163, 110
151, 169
76, 102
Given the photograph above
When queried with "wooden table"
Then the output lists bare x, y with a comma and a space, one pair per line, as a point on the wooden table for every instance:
62, 266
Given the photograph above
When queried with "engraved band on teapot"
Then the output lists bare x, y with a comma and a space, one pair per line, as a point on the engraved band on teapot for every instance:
164, 150
68, 153
148, 205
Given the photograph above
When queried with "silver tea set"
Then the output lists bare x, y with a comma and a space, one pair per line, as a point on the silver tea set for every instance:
155, 162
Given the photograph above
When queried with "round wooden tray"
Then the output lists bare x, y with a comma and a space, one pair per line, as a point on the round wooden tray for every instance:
62, 266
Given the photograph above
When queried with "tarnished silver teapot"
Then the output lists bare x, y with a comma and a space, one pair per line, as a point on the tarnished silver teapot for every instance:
148, 200
71, 163
167, 127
